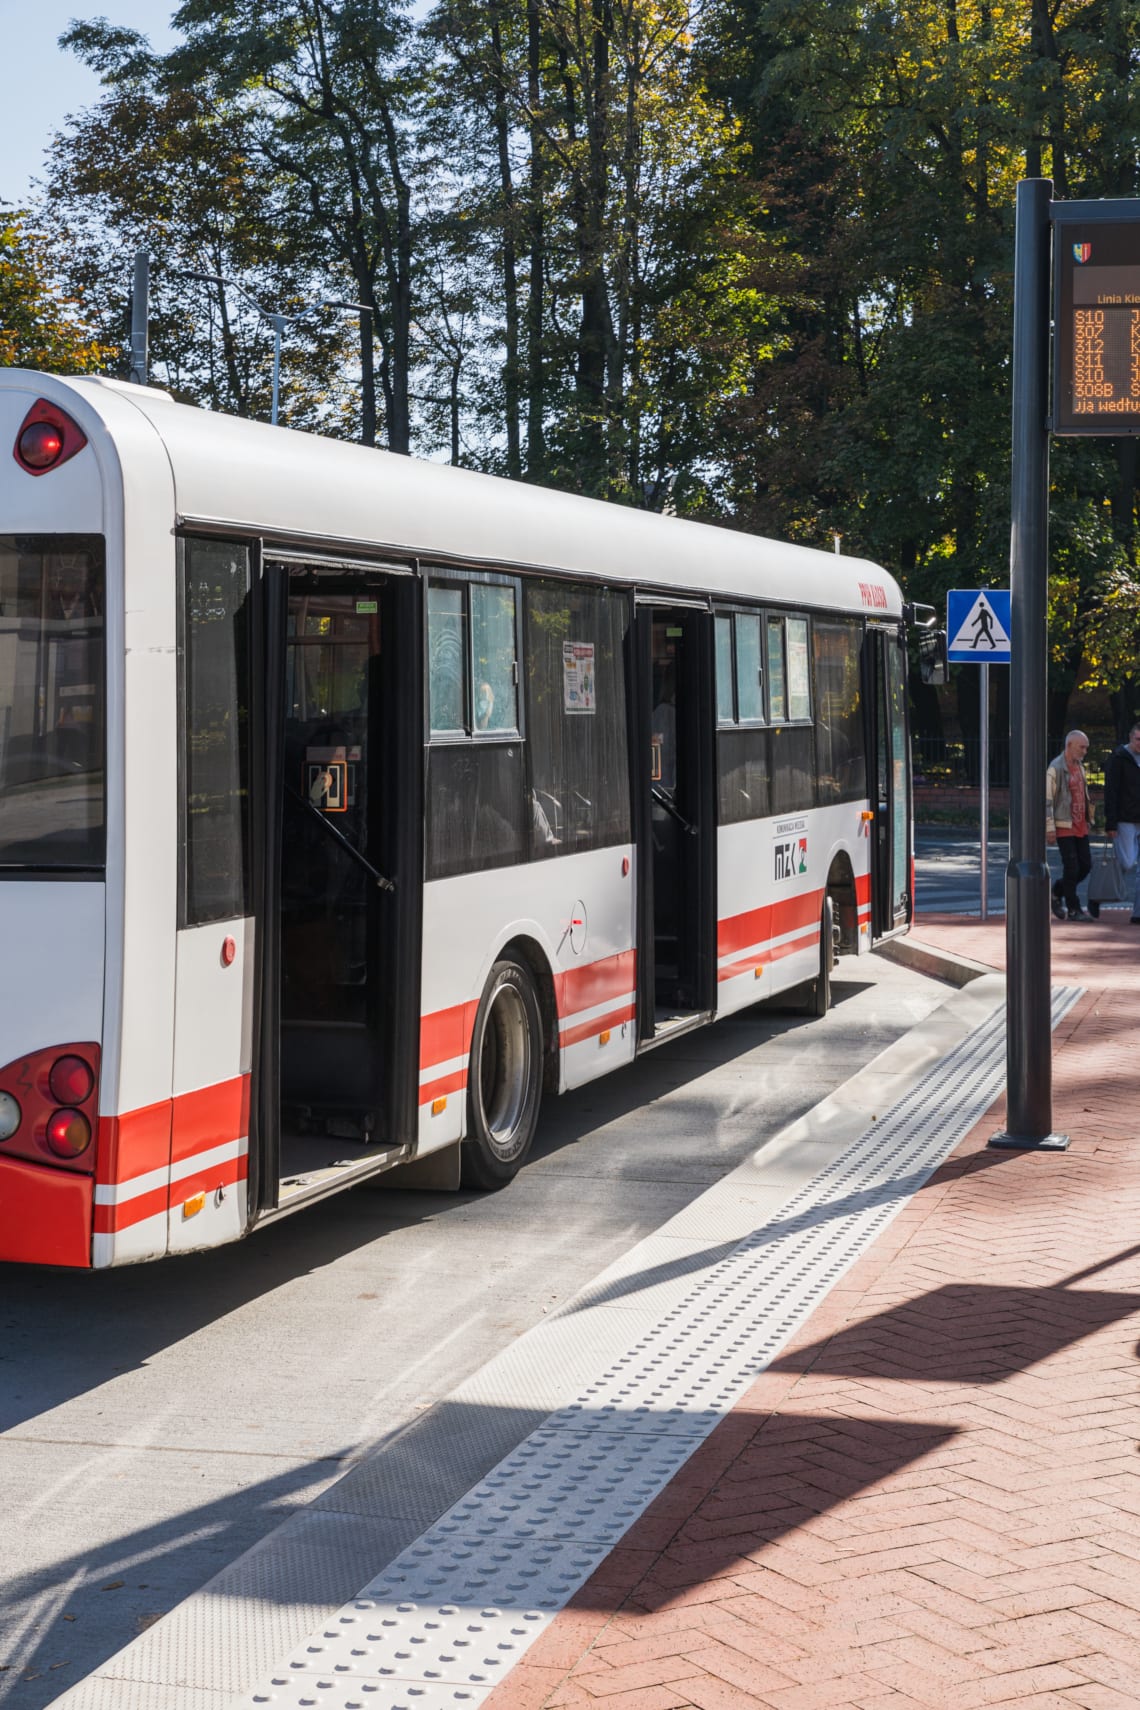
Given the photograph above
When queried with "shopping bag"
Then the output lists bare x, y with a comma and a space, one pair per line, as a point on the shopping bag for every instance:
1106, 881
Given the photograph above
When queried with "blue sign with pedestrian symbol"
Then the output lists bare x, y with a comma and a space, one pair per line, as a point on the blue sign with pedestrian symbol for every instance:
977, 626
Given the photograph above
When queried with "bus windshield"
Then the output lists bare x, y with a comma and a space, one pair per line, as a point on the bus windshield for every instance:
52, 675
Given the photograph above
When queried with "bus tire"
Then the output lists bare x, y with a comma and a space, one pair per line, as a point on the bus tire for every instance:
504, 1077
821, 985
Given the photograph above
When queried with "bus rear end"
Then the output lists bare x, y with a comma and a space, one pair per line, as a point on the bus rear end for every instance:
53, 819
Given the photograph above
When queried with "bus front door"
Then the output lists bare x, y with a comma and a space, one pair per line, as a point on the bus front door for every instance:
348, 861
886, 699
677, 820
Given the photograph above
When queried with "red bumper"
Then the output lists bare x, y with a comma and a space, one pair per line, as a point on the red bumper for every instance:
45, 1215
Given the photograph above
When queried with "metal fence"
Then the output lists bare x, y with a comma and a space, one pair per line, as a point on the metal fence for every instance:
957, 765
941, 764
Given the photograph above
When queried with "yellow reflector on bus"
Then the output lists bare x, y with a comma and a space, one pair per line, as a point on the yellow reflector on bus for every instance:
756, 972
604, 1038
438, 1104
193, 1206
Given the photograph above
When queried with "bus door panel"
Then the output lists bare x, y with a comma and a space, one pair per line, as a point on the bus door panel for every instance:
677, 818
209, 1112
889, 782
345, 784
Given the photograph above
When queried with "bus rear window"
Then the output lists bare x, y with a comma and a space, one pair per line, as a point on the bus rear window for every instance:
52, 675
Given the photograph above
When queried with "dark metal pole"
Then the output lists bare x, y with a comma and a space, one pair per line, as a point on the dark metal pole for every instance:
140, 319
1029, 1058
984, 781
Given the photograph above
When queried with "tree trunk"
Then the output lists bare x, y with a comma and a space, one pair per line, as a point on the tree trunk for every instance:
510, 271
367, 379
535, 376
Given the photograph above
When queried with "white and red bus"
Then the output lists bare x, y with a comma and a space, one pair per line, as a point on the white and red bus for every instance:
348, 802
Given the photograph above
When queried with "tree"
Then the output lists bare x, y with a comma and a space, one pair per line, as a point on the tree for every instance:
889, 139
40, 325
615, 226
171, 171
327, 92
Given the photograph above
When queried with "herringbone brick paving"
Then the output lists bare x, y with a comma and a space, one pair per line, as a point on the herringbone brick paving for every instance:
933, 1497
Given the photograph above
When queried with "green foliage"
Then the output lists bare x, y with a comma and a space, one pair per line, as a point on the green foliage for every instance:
40, 327
748, 260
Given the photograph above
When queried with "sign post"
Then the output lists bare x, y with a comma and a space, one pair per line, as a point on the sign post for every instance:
1096, 390
977, 628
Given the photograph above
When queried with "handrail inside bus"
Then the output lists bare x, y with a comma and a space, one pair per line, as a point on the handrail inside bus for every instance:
378, 878
664, 800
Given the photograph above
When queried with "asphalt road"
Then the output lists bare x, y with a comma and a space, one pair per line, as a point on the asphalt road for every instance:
155, 1422
948, 871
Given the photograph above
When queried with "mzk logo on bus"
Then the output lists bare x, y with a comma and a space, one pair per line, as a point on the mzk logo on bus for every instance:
791, 858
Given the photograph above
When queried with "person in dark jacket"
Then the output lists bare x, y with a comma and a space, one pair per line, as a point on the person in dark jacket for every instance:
1122, 808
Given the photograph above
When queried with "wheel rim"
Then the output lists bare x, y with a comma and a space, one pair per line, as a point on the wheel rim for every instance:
504, 1071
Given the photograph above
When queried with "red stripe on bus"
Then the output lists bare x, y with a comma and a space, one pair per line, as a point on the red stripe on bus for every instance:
807, 942
109, 1219
773, 953
133, 1143
45, 1215
209, 1117
446, 1034
445, 1084
591, 1029
151, 1137
863, 887
230, 1170
609, 977
740, 931
745, 966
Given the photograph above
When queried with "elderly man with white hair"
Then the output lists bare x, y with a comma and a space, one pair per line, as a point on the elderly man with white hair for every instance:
1069, 820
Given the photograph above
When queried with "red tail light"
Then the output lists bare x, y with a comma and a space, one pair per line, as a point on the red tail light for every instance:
47, 439
68, 1133
70, 1080
48, 1106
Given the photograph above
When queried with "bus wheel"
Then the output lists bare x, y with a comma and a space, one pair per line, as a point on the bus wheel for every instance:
821, 989
504, 1079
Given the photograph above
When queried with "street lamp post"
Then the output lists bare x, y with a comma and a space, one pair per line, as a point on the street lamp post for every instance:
278, 322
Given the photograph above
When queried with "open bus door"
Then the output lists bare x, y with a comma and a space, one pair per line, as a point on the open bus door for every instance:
889, 781
342, 857
676, 791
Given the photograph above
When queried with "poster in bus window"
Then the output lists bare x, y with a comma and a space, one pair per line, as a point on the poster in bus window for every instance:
799, 698
578, 682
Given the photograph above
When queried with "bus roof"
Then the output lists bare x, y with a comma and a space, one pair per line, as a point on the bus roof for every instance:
305, 488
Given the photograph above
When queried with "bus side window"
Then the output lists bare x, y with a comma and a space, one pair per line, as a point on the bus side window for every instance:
798, 671
477, 812
576, 717
749, 669
792, 738
743, 744
725, 696
777, 698
214, 660
840, 755
447, 659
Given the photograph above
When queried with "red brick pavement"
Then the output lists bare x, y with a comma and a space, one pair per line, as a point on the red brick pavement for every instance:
933, 1497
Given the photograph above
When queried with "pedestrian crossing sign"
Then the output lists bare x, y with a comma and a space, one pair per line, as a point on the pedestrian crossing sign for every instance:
977, 626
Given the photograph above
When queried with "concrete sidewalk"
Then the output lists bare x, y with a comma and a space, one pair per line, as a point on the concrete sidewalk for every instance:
933, 1496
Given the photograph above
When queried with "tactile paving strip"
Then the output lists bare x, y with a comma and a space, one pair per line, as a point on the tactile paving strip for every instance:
446, 1620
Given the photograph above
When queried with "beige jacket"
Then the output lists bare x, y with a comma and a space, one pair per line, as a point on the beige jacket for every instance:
1058, 800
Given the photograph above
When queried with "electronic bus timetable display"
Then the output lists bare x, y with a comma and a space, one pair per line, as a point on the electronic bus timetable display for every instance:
1096, 353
